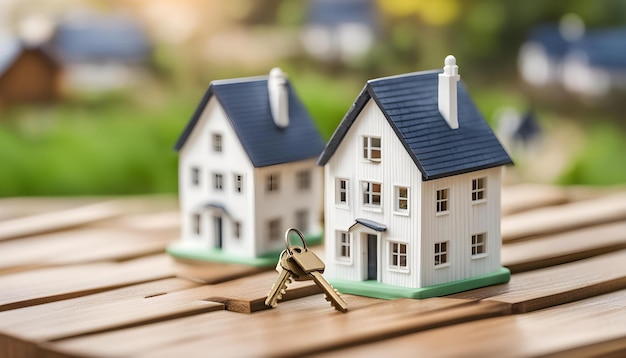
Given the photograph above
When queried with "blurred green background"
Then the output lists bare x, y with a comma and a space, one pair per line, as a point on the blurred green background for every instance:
119, 140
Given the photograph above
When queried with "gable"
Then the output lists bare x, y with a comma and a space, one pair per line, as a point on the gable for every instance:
246, 104
410, 105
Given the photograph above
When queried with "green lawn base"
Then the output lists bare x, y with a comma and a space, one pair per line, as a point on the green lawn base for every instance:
268, 259
376, 289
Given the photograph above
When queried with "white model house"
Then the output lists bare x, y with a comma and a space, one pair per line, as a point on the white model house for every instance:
247, 171
412, 186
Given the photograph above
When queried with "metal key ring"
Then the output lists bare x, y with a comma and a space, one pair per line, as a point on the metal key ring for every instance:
287, 239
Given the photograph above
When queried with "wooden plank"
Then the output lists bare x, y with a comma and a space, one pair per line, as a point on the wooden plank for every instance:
592, 327
564, 217
331, 331
11, 208
82, 245
22, 329
222, 333
524, 197
534, 290
564, 247
54, 284
59, 220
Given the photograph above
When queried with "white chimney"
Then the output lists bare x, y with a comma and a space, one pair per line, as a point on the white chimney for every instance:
279, 97
447, 92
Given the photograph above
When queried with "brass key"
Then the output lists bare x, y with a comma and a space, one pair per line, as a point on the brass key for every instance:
311, 264
284, 278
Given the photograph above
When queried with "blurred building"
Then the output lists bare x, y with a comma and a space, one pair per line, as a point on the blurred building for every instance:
585, 62
28, 73
101, 52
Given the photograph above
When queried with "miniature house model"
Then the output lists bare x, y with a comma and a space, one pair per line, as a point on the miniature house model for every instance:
412, 185
247, 171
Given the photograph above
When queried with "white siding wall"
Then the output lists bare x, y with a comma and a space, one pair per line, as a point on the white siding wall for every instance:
395, 168
198, 152
286, 202
463, 220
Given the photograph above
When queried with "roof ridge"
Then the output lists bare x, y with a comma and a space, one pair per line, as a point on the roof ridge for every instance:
239, 80
410, 74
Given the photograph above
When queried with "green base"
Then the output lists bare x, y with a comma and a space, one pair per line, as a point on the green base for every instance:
268, 259
376, 289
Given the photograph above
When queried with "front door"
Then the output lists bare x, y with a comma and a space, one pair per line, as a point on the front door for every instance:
372, 257
217, 226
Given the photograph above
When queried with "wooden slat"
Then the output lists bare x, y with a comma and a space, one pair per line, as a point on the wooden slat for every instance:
524, 197
564, 247
82, 245
59, 220
310, 322
564, 217
24, 328
592, 327
54, 284
214, 272
534, 290
11, 208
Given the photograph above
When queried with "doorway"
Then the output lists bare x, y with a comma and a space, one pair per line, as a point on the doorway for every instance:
372, 257
217, 227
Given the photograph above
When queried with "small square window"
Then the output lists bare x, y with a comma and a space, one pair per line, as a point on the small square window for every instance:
441, 253
195, 176
341, 191
303, 180
238, 178
237, 230
442, 200
479, 244
398, 258
218, 181
217, 142
371, 193
402, 199
274, 229
479, 189
343, 245
196, 224
302, 220
371, 149
272, 182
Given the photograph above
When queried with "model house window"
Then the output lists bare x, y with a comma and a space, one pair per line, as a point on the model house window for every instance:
343, 240
216, 142
402, 199
218, 181
196, 224
238, 183
371, 149
442, 200
237, 230
272, 182
441, 253
303, 180
302, 220
479, 244
273, 229
342, 192
398, 256
195, 176
371, 193
478, 189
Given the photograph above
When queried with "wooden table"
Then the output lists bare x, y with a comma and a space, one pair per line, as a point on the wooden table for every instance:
88, 277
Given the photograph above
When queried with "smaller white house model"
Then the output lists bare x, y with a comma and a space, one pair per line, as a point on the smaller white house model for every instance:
412, 186
247, 171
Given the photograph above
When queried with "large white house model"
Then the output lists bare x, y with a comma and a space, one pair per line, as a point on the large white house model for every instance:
412, 186
247, 171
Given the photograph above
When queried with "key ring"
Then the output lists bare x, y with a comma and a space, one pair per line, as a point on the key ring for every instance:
287, 239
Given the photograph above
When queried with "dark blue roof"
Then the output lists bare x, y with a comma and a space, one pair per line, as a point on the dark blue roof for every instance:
101, 38
410, 104
371, 224
549, 36
246, 103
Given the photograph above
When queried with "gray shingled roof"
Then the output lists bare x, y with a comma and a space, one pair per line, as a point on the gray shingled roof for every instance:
410, 104
246, 103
